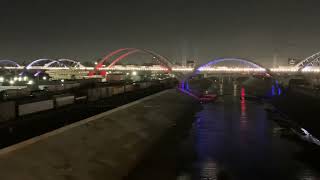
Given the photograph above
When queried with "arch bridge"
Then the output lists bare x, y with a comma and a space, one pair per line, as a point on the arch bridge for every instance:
311, 61
121, 54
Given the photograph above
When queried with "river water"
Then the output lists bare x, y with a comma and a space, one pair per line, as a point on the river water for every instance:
229, 139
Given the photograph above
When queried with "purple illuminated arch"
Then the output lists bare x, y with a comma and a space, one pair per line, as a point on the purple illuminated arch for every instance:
62, 62
47, 62
38, 61
217, 61
184, 82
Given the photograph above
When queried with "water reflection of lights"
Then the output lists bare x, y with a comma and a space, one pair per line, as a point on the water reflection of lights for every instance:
234, 89
209, 170
243, 114
308, 137
276, 89
307, 174
221, 89
243, 93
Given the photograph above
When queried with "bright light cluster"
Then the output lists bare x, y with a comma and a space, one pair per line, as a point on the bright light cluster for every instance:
15, 79
284, 69
309, 69
183, 69
48, 68
288, 69
8, 67
85, 68
135, 68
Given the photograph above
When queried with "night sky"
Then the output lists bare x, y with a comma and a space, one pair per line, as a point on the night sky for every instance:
199, 29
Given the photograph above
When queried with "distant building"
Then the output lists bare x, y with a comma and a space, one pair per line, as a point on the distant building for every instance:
191, 63
292, 61
149, 64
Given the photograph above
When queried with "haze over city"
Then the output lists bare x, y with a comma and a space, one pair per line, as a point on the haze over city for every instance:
200, 30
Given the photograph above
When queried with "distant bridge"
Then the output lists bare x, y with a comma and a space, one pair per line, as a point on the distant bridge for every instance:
309, 65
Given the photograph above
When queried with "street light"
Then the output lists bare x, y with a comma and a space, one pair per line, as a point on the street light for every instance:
30, 82
134, 73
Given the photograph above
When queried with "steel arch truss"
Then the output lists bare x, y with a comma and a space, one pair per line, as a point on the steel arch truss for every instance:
63, 62
47, 62
313, 60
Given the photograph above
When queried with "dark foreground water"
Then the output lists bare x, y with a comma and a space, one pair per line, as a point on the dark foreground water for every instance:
229, 139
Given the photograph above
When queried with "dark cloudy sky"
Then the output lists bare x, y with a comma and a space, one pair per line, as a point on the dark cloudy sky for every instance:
254, 29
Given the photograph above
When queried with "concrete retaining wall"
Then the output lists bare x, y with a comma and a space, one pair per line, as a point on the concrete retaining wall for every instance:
129, 88
63, 101
105, 146
117, 90
81, 99
7, 111
93, 94
105, 92
34, 107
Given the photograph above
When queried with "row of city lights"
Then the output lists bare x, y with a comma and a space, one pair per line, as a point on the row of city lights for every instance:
294, 69
180, 69
13, 80
210, 69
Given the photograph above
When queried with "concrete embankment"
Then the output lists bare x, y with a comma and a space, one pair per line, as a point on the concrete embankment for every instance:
105, 146
302, 108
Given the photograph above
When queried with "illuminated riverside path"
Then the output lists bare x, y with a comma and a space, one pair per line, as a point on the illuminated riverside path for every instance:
232, 138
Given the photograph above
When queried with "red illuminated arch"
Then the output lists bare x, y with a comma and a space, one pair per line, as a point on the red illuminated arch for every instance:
163, 61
